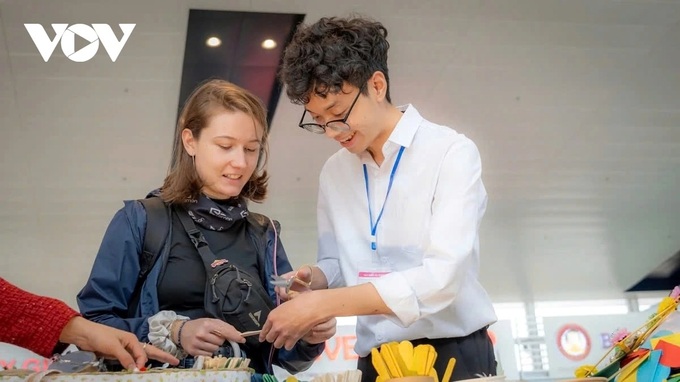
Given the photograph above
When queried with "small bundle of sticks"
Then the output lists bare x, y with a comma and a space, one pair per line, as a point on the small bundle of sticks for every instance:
219, 362
345, 376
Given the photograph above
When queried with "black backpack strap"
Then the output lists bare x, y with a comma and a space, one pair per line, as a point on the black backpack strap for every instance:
197, 239
157, 228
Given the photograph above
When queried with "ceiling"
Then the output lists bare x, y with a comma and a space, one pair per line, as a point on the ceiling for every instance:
240, 57
574, 105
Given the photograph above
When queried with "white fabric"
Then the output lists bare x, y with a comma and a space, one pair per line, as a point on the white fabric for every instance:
429, 232
16, 357
159, 331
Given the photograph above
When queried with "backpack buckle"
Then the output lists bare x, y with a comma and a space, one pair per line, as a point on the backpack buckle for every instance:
197, 239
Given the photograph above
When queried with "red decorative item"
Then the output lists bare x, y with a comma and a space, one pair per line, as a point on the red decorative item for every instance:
632, 356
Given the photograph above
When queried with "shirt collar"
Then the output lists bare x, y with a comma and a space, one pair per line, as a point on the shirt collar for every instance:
406, 128
402, 135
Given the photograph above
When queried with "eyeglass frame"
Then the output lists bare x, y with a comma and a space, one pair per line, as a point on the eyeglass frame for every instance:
321, 129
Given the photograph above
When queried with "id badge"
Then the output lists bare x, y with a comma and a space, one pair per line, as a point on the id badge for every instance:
371, 271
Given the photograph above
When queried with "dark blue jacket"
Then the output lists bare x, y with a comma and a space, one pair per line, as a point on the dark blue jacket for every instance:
105, 297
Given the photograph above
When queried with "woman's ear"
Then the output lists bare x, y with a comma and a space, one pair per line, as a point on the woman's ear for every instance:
261, 159
189, 142
378, 85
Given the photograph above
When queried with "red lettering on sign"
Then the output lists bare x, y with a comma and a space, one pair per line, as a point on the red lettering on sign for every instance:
31, 364
348, 347
332, 353
341, 345
492, 336
7, 364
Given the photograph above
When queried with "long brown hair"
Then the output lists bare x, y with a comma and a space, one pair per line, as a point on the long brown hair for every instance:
210, 98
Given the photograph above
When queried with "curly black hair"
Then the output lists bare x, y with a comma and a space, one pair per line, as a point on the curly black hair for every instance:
332, 51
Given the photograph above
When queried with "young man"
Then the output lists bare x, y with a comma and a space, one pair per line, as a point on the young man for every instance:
399, 209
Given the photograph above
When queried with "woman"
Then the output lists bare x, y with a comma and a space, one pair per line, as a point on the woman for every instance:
45, 325
218, 164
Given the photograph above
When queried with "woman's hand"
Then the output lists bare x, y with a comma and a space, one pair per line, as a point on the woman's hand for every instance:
159, 355
110, 342
204, 336
321, 332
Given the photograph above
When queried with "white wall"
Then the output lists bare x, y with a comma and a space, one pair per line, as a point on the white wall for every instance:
575, 106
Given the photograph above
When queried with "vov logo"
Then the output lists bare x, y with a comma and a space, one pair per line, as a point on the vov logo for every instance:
67, 36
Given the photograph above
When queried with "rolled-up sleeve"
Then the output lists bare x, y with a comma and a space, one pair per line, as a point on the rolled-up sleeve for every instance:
327, 259
451, 249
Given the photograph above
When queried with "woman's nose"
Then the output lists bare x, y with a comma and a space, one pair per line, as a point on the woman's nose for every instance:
239, 159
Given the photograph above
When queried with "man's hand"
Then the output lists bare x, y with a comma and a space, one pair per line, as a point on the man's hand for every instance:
109, 342
296, 317
298, 281
292, 320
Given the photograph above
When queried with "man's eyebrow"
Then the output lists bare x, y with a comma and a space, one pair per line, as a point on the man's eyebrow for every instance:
326, 109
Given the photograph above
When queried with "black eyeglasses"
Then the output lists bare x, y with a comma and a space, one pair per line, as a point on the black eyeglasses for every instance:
338, 125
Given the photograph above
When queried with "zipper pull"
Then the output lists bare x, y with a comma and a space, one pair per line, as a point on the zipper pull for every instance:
212, 287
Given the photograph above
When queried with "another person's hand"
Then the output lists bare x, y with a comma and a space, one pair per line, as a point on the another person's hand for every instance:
282, 291
321, 332
292, 320
204, 336
159, 355
299, 281
110, 342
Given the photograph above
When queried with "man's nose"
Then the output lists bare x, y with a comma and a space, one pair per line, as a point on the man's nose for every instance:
330, 133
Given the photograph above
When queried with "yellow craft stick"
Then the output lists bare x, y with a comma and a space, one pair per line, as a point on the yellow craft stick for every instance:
431, 358
391, 363
379, 364
394, 351
433, 374
420, 354
406, 352
449, 370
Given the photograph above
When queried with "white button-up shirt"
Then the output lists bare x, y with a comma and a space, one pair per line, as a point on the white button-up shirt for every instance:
428, 237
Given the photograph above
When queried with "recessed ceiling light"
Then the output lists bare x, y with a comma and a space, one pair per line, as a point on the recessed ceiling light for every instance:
213, 42
269, 44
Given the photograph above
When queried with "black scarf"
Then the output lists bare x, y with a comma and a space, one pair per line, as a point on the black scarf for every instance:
214, 215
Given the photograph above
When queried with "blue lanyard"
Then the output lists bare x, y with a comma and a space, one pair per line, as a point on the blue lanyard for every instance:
373, 226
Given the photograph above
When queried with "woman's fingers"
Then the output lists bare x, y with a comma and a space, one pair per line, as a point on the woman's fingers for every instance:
159, 355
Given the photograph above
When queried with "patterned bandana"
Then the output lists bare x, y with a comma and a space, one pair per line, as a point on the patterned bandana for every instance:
216, 216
